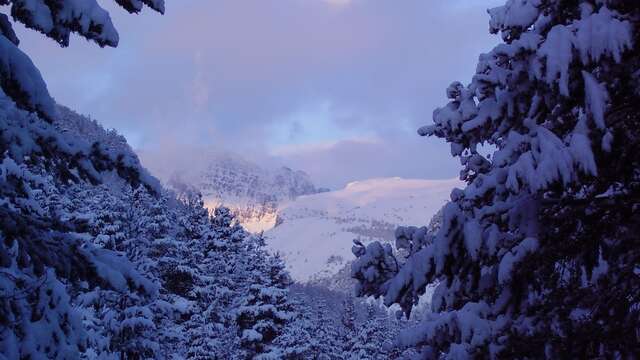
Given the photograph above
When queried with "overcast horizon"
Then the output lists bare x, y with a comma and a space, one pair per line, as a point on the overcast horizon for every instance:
336, 88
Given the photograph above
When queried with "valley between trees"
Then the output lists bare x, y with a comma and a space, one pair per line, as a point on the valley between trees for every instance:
536, 257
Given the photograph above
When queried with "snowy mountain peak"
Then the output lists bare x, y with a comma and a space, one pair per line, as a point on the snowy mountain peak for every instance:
252, 192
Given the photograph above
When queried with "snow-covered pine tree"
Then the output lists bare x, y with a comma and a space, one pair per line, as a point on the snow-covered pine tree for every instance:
110, 224
227, 254
348, 322
327, 334
150, 213
134, 330
373, 337
264, 309
227, 227
148, 225
210, 268
538, 256
119, 324
203, 339
296, 341
195, 216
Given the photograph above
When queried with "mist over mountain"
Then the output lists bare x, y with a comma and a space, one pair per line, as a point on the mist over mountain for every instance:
253, 193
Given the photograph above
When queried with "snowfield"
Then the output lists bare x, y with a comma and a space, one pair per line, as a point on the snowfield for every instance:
314, 233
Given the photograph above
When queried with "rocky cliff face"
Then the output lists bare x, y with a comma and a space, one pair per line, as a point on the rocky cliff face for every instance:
253, 193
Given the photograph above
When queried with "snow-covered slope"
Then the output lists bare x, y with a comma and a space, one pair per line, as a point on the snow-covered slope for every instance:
90, 131
314, 233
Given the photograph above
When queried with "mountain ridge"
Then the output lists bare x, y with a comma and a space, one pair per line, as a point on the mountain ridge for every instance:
252, 192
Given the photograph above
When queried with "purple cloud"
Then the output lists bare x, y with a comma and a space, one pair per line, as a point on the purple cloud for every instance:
225, 74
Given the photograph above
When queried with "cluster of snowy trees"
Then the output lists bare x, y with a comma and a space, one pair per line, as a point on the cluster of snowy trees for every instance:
339, 326
99, 264
97, 260
538, 256
110, 269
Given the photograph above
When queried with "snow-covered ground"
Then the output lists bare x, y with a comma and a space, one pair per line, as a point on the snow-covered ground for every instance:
314, 233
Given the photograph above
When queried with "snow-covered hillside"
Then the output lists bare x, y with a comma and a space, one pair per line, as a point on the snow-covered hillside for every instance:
314, 233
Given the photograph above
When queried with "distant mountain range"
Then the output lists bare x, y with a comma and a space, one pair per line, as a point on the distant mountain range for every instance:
313, 228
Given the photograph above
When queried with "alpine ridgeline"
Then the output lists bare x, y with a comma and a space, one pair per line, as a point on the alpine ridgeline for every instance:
253, 193
538, 256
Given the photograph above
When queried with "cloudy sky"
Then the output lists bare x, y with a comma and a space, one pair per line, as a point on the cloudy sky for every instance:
336, 88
